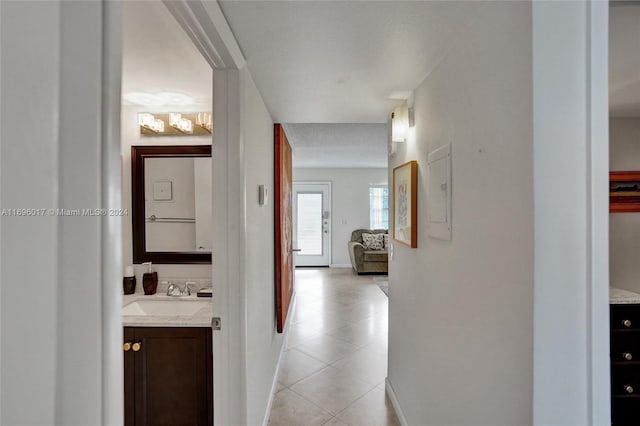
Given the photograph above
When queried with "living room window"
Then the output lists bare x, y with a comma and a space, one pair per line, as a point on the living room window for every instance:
379, 207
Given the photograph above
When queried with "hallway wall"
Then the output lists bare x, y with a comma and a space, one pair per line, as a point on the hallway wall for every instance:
461, 311
624, 228
349, 204
263, 343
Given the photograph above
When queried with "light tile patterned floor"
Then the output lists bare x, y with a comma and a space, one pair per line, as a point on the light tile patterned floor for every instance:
335, 363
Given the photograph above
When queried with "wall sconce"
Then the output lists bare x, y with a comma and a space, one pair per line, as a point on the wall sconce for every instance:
400, 124
175, 124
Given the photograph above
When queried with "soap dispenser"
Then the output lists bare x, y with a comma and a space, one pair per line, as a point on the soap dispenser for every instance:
129, 281
149, 280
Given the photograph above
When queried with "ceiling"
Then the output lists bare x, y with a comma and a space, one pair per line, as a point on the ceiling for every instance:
338, 61
624, 60
338, 145
161, 67
331, 69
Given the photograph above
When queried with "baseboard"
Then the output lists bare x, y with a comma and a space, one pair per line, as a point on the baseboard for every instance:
274, 384
340, 265
394, 401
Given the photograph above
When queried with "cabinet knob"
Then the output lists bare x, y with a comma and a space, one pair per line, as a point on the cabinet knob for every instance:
627, 356
626, 323
628, 389
126, 346
136, 346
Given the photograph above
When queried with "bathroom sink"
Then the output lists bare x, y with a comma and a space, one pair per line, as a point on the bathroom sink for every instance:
164, 307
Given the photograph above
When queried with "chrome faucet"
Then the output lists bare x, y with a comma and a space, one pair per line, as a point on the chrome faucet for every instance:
187, 288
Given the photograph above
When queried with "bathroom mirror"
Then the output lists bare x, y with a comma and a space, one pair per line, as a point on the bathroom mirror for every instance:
171, 204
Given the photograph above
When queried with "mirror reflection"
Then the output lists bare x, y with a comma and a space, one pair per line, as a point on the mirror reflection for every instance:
178, 204
171, 204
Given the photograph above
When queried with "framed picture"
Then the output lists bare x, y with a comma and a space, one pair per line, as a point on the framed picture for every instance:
624, 192
405, 204
284, 226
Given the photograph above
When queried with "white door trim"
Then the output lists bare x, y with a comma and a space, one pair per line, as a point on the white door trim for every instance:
205, 24
570, 68
111, 242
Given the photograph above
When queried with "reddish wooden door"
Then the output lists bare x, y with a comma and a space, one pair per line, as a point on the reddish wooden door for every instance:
284, 226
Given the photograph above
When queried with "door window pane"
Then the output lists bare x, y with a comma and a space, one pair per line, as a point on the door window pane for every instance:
310, 224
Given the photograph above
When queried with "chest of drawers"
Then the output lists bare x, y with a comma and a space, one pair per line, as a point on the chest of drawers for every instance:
625, 364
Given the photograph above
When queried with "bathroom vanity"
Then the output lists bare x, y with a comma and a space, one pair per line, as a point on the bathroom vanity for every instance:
625, 357
168, 361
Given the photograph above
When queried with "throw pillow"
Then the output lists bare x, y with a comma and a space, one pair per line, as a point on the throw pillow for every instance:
373, 241
386, 240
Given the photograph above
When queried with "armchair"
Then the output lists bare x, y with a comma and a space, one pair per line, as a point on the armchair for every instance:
366, 261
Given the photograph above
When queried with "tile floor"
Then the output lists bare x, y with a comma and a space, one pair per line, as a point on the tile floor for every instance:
335, 363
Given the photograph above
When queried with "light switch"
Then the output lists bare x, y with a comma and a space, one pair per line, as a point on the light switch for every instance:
263, 195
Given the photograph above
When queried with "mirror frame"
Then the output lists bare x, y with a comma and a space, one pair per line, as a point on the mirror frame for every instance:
138, 155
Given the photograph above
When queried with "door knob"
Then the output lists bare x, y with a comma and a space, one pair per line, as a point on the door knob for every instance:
626, 323
126, 346
627, 356
136, 346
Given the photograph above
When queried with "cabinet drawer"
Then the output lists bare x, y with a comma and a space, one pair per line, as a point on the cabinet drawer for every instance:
625, 317
625, 346
625, 411
625, 380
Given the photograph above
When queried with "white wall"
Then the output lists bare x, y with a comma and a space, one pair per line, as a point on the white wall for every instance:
61, 356
349, 202
624, 228
248, 347
131, 136
461, 311
263, 344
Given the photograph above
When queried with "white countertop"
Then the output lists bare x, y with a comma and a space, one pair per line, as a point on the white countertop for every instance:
618, 296
201, 318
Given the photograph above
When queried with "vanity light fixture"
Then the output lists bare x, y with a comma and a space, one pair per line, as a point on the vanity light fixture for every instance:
178, 122
150, 122
175, 123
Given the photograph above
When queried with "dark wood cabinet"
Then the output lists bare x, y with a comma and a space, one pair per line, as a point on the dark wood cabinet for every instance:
625, 364
168, 376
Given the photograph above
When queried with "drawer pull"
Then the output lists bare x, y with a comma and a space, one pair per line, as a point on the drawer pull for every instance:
628, 389
136, 346
626, 323
126, 346
627, 356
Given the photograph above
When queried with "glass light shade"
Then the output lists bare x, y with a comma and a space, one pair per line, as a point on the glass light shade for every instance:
204, 120
400, 124
174, 119
158, 125
145, 119
186, 125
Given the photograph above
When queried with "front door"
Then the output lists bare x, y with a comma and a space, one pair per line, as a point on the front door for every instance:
312, 223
